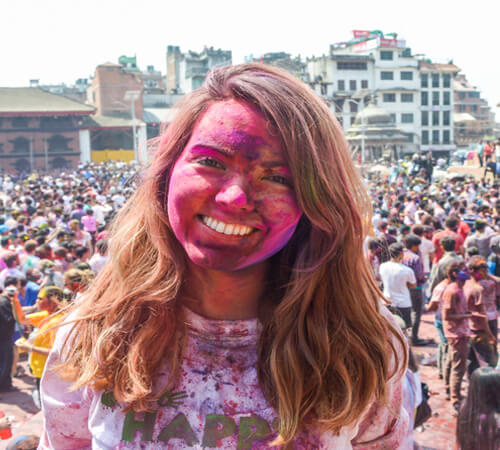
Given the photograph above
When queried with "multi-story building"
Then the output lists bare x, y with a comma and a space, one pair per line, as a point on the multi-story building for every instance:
374, 66
187, 71
42, 131
436, 104
475, 120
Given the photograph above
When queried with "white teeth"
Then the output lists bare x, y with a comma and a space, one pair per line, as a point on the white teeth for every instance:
226, 228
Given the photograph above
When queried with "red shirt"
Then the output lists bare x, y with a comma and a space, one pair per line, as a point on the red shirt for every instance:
436, 240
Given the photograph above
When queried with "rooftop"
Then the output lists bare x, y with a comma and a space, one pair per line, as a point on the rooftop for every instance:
35, 101
425, 65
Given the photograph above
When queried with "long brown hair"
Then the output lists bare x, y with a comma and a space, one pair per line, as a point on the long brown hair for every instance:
325, 351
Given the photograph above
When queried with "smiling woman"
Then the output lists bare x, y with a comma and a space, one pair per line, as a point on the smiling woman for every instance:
236, 310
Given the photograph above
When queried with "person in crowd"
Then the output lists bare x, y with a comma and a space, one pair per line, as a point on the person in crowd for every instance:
412, 259
456, 330
238, 292
100, 257
478, 422
438, 272
89, 223
482, 343
480, 239
450, 228
50, 300
494, 256
11, 261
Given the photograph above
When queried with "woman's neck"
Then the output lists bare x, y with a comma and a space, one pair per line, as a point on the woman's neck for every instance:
224, 295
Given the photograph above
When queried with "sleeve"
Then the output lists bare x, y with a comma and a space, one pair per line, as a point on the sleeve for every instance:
387, 424
411, 277
65, 411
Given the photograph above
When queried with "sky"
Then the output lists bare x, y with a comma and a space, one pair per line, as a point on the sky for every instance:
60, 41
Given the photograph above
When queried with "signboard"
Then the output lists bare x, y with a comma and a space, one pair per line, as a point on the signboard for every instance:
360, 33
393, 43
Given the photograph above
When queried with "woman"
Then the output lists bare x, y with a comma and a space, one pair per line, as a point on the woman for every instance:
236, 309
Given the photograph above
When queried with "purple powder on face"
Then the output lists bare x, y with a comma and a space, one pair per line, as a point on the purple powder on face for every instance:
245, 143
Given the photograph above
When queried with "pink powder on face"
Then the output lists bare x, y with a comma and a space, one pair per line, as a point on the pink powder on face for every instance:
232, 171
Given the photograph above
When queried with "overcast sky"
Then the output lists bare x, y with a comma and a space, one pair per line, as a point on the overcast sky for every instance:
60, 41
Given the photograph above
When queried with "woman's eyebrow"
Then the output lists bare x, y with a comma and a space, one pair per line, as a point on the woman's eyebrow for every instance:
210, 149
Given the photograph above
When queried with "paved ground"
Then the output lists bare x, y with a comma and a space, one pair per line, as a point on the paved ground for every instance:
437, 433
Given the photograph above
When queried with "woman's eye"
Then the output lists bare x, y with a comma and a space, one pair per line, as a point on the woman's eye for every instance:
211, 163
279, 179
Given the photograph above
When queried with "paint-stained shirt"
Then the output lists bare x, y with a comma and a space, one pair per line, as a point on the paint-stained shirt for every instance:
491, 292
453, 300
217, 404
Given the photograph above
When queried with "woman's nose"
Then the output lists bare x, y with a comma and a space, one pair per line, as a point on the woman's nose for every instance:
234, 196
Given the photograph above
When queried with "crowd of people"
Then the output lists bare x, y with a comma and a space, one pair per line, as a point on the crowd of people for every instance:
435, 246
53, 240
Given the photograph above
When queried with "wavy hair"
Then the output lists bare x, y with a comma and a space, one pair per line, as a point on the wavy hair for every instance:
325, 351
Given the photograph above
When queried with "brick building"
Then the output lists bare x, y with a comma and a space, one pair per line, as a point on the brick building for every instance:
109, 87
40, 130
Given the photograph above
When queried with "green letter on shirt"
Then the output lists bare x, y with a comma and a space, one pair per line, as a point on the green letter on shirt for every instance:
252, 429
130, 425
179, 428
217, 427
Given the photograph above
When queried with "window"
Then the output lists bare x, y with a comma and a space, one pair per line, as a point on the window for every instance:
461, 108
341, 85
446, 118
393, 118
474, 108
435, 117
424, 80
389, 98
446, 98
435, 97
351, 65
19, 122
353, 106
424, 97
407, 118
409, 137
386, 55
364, 84
446, 136
425, 137
435, 136
446, 81
435, 80
386, 75
425, 118
406, 75
20, 145
353, 119
407, 98
352, 85
461, 95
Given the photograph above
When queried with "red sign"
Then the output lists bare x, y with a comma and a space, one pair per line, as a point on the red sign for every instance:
388, 42
360, 33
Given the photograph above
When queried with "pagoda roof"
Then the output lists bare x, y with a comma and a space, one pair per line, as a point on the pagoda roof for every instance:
27, 101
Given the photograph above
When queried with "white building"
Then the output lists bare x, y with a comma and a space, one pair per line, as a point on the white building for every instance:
372, 65
437, 104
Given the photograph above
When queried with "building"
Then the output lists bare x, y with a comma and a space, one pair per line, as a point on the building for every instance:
77, 91
294, 65
371, 66
437, 103
187, 71
118, 130
42, 131
374, 132
474, 118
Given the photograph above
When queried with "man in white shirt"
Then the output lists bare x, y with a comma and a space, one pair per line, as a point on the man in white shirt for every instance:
397, 279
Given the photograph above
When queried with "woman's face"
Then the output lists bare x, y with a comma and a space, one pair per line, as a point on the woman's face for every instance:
231, 200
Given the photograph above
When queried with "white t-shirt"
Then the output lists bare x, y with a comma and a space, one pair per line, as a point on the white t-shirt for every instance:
426, 248
395, 276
